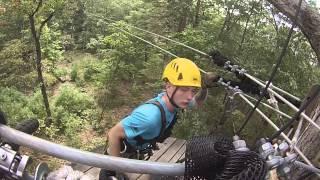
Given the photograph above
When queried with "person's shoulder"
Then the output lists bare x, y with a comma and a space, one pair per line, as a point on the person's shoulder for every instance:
148, 111
147, 108
146, 115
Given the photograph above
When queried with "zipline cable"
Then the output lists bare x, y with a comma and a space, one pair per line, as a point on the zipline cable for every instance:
296, 109
251, 77
275, 69
224, 62
297, 115
281, 90
148, 42
292, 106
200, 52
158, 35
277, 128
292, 144
270, 107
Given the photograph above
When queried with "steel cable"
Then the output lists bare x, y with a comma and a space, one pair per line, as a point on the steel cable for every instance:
275, 69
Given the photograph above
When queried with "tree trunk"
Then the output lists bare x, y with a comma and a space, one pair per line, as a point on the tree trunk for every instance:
246, 27
39, 69
226, 21
197, 14
309, 140
308, 20
182, 23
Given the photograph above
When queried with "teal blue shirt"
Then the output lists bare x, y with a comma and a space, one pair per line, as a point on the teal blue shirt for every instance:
145, 121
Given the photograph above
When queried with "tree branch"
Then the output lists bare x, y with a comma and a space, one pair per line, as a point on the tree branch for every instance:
308, 20
275, 21
44, 22
37, 9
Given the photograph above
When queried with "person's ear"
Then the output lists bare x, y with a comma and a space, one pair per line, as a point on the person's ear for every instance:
168, 85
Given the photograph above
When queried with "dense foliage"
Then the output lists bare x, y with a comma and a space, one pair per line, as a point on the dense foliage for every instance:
95, 73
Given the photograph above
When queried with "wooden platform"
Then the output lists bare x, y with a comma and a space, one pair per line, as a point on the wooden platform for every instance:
171, 150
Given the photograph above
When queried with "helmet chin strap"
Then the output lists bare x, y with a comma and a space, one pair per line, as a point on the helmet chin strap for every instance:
171, 98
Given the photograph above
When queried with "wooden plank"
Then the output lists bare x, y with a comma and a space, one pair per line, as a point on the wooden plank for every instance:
178, 155
166, 157
94, 172
174, 148
170, 150
169, 141
80, 167
166, 145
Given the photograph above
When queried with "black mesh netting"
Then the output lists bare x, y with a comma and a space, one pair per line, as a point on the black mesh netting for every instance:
214, 158
243, 165
205, 156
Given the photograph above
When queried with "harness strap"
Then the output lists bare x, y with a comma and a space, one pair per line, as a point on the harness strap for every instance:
163, 118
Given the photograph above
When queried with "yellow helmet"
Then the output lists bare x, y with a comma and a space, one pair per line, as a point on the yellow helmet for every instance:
182, 72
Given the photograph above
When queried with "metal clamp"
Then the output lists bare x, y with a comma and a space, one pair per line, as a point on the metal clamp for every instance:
274, 156
13, 163
234, 68
226, 65
239, 145
242, 71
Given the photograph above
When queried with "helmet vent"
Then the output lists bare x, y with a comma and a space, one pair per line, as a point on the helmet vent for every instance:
180, 77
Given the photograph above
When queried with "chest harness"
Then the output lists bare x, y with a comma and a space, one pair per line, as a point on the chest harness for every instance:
164, 132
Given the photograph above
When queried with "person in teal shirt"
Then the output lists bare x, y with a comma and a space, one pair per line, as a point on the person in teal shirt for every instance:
145, 120
144, 126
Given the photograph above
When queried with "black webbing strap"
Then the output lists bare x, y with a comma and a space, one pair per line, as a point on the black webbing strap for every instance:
163, 118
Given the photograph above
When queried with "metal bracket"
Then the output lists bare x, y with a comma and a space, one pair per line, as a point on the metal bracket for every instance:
22, 166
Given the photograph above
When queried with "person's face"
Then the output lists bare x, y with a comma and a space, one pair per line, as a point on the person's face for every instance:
183, 95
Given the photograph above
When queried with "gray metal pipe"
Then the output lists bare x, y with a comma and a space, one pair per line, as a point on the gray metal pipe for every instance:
277, 129
287, 102
270, 107
89, 158
262, 84
307, 167
274, 87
